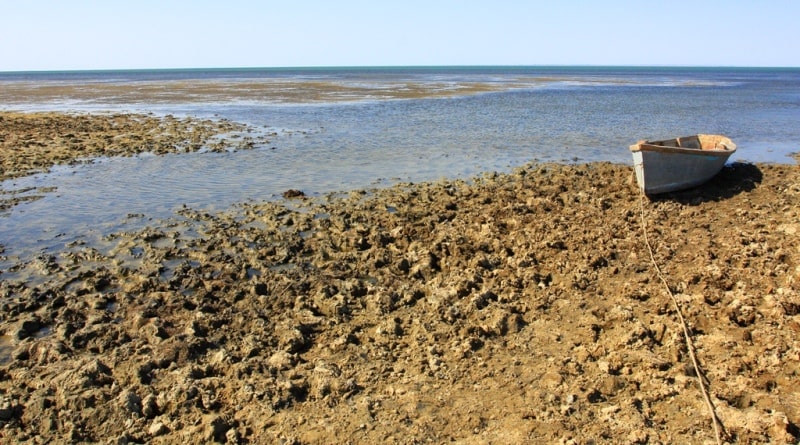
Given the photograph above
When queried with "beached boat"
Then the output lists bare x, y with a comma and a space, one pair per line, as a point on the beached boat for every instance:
680, 163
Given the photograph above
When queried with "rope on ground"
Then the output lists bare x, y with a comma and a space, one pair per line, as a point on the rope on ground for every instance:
719, 429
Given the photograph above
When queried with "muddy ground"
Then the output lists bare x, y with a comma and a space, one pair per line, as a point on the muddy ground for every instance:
33, 142
518, 308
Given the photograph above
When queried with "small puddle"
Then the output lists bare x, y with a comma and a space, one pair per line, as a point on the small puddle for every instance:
6, 348
283, 267
43, 332
7, 343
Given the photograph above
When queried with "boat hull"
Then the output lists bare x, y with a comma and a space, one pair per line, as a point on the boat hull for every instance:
681, 163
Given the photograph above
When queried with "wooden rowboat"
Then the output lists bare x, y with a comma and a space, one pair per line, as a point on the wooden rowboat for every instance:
680, 163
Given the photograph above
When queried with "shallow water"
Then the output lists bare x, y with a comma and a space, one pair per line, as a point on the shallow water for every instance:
349, 128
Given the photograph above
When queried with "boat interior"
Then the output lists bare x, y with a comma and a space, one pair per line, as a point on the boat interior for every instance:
700, 142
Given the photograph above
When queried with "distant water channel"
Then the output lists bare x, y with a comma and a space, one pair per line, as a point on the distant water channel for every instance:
338, 129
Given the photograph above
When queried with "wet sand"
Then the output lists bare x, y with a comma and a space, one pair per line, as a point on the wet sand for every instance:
272, 90
33, 142
518, 308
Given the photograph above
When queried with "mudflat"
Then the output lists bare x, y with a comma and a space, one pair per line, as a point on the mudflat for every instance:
34, 142
510, 308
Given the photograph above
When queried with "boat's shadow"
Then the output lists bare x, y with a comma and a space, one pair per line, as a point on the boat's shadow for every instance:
734, 178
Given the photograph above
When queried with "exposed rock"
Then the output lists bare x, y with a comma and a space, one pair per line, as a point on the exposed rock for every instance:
516, 308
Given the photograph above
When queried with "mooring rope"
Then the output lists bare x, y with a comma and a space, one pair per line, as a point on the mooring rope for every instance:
719, 429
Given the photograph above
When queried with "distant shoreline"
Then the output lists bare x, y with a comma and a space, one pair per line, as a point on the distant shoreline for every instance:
388, 68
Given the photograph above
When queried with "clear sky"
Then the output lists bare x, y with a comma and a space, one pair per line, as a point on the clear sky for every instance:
116, 34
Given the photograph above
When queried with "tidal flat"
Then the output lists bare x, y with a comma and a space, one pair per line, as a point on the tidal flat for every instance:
504, 308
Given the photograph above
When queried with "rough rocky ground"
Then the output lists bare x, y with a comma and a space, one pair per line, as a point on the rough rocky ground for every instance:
519, 308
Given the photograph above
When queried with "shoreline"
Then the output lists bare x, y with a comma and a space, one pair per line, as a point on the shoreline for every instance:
510, 308
35, 142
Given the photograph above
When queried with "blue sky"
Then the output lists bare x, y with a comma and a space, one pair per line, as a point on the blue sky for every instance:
111, 34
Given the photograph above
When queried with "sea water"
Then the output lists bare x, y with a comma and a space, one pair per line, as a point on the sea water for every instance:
338, 129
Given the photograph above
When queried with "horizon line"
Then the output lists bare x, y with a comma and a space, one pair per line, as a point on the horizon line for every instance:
346, 67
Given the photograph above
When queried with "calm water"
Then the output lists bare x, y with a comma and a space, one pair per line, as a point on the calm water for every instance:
342, 129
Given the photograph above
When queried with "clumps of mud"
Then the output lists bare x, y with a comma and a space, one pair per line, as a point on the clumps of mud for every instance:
517, 308
33, 142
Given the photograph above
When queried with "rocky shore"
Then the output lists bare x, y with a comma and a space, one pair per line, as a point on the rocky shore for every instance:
510, 308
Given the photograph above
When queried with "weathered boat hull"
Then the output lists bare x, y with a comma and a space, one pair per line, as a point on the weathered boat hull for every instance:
680, 163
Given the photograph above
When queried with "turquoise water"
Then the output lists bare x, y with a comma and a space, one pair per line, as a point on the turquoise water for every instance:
346, 128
